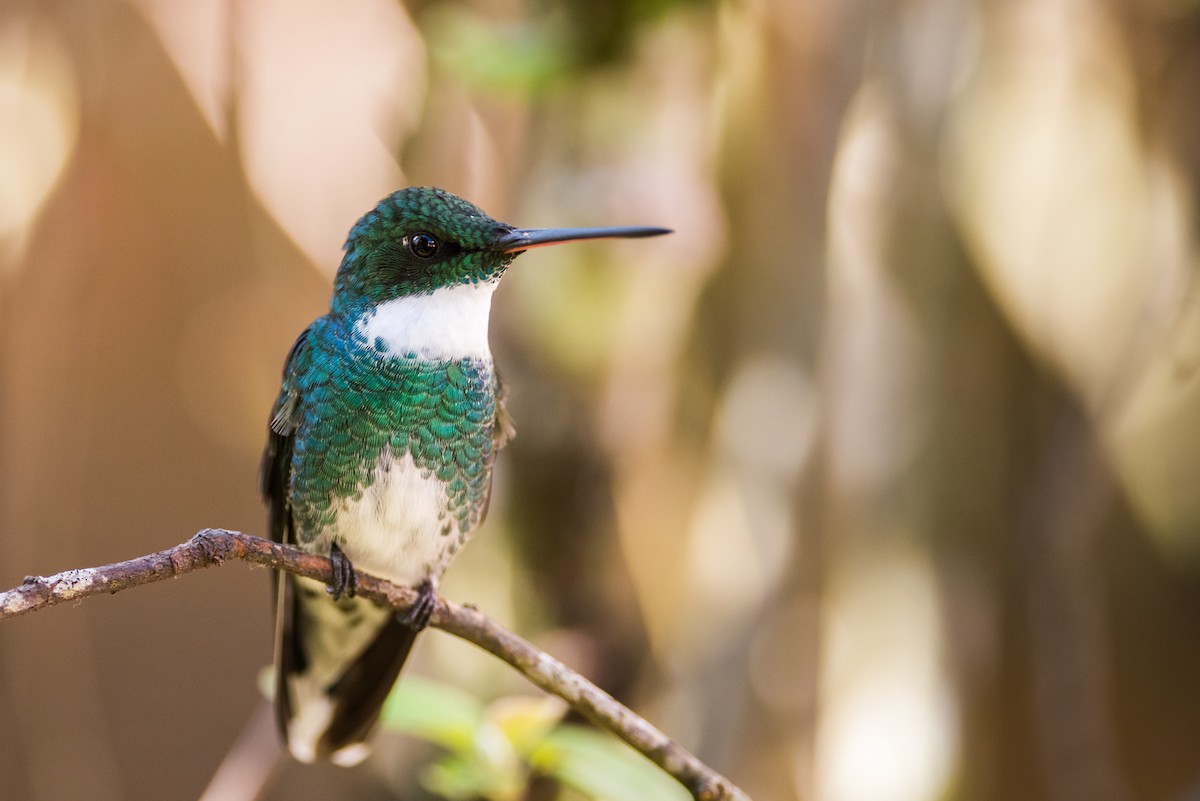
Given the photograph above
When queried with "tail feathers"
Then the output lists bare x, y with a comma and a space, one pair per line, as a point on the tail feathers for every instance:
330, 689
360, 692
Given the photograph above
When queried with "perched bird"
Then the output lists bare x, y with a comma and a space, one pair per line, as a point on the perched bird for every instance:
381, 447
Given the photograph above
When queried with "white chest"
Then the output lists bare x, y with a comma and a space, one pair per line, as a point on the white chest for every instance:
400, 528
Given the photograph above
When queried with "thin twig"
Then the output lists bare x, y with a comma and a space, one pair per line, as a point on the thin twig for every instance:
214, 546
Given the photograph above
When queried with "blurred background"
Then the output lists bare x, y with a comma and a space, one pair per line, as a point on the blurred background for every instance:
879, 480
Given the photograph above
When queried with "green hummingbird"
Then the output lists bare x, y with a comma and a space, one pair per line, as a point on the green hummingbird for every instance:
381, 447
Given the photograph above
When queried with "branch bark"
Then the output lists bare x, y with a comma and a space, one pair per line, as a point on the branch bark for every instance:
214, 546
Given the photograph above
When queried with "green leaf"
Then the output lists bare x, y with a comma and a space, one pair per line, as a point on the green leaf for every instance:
433, 711
458, 778
602, 767
525, 720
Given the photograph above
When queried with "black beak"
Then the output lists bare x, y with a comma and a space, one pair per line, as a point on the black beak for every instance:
525, 238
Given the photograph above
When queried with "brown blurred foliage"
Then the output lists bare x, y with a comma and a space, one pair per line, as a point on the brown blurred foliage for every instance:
878, 480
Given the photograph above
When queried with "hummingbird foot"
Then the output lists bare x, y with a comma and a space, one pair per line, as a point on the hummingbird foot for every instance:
418, 617
344, 581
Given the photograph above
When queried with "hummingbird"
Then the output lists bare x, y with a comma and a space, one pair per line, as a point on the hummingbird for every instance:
380, 450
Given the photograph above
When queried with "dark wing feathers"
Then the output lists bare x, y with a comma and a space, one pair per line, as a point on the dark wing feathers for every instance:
274, 478
275, 471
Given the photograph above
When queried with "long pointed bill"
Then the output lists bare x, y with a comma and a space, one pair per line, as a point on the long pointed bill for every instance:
526, 238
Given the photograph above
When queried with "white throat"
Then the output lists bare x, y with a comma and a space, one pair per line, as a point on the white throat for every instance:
449, 323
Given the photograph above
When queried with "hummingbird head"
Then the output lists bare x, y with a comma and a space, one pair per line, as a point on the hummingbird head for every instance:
414, 242
422, 239
420, 268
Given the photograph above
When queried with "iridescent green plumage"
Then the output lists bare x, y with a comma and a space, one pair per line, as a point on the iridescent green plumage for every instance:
361, 403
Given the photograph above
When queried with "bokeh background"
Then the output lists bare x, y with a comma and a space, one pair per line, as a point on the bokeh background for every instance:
879, 480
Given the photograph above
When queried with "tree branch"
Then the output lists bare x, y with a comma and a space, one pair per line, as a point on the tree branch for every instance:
213, 546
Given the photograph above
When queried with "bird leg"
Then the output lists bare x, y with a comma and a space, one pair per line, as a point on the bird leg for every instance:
417, 617
344, 581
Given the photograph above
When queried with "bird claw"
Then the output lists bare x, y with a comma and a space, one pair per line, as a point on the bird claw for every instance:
344, 580
421, 612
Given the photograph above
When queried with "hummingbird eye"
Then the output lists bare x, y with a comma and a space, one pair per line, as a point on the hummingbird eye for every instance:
423, 245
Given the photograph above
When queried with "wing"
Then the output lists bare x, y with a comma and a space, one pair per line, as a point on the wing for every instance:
274, 479
275, 471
